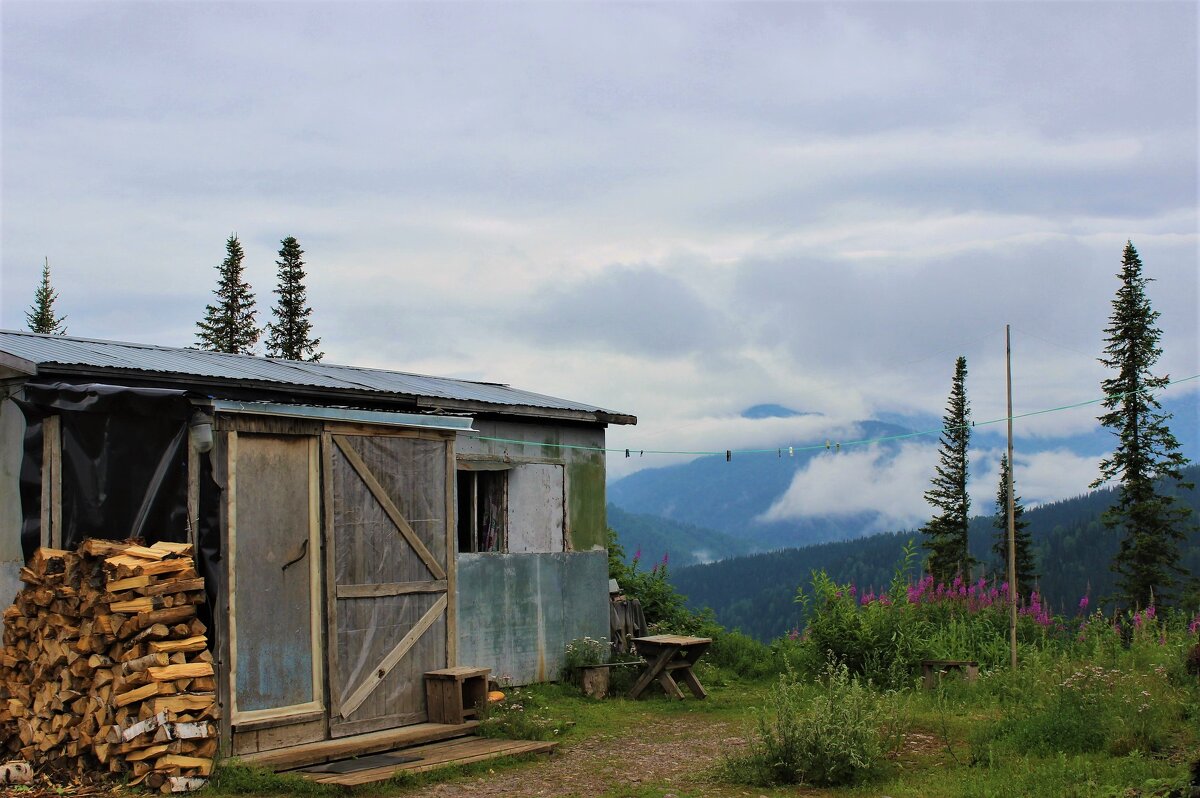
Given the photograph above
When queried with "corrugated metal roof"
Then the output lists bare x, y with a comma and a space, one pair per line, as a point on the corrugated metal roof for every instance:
47, 351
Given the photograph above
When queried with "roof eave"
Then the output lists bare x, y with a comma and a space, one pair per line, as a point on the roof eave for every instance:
341, 395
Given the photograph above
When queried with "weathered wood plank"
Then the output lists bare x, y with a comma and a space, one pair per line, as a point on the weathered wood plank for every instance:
330, 750
390, 589
437, 755
451, 560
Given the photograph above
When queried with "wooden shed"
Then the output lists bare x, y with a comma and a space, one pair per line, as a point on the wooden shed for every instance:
357, 528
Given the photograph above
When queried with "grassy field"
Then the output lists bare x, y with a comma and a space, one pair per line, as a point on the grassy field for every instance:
939, 753
1101, 705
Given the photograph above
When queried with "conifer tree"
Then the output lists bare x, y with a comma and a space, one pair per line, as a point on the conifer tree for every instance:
946, 532
40, 316
1151, 524
1026, 570
288, 335
228, 325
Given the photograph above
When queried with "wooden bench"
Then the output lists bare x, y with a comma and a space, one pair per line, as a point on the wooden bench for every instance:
594, 679
454, 694
931, 669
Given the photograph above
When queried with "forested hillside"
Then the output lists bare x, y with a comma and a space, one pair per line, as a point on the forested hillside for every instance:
1073, 549
684, 544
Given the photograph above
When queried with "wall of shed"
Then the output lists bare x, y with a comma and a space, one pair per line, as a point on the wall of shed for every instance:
584, 470
12, 436
517, 612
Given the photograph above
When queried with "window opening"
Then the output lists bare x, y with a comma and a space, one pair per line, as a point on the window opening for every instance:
482, 511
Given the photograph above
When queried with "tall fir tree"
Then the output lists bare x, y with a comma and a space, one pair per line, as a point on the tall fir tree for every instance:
1152, 525
40, 316
946, 532
288, 335
228, 326
1026, 569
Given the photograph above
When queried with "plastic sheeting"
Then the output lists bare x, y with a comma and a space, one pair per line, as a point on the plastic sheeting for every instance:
369, 550
124, 469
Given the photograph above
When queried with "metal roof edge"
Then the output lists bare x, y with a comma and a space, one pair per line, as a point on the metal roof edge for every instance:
447, 423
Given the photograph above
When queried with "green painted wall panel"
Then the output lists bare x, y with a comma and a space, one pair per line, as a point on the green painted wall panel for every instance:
517, 612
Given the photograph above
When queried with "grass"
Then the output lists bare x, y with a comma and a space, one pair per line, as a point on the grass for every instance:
937, 761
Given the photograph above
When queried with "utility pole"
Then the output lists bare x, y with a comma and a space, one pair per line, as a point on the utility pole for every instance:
1012, 521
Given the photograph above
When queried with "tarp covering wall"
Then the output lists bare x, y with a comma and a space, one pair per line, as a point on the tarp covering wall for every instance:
517, 612
124, 468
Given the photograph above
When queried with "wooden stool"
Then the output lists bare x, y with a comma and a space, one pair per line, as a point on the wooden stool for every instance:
932, 668
455, 694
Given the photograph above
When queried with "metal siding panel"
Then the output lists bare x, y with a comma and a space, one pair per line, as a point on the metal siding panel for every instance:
517, 612
535, 508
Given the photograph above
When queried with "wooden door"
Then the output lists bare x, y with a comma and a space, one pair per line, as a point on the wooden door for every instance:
389, 515
273, 512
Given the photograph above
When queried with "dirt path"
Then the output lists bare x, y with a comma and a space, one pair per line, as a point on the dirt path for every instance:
672, 752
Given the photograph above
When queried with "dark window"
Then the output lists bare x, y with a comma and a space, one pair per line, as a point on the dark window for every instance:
482, 511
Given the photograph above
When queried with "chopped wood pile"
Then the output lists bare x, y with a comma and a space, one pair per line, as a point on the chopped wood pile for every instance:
105, 666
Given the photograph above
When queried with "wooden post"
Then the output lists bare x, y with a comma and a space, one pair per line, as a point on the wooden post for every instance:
1012, 521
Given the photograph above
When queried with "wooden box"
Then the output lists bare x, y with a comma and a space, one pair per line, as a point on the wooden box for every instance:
454, 694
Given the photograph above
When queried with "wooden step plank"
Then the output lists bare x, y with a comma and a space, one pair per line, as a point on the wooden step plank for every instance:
437, 755
439, 748
344, 747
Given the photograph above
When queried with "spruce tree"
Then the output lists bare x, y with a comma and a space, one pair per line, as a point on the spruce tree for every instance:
946, 532
40, 316
288, 336
1026, 570
228, 325
1151, 524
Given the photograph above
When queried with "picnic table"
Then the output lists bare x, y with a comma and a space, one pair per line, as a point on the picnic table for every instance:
668, 656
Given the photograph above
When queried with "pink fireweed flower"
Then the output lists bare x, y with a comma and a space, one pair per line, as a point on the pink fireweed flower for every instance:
1194, 625
1083, 604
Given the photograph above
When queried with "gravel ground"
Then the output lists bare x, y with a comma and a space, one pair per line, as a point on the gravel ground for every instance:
674, 752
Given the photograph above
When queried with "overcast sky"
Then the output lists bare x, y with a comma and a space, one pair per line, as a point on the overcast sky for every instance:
674, 210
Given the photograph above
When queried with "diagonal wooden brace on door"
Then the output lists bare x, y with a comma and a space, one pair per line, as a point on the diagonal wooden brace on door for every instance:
389, 507
380, 672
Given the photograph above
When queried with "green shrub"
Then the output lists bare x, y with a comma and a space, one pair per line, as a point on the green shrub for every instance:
839, 735
584, 651
665, 609
742, 656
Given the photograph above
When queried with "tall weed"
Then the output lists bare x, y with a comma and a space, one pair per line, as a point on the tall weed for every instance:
832, 734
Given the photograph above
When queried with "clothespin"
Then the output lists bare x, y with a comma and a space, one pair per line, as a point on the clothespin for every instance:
728, 455
791, 451
839, 447
779, 453
826, 444
626, 453
642, 453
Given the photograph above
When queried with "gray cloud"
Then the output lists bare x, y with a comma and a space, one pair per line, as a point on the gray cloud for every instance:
637, 310
676, 211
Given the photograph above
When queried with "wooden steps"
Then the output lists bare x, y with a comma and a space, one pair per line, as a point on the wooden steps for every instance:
298, 756
460, 751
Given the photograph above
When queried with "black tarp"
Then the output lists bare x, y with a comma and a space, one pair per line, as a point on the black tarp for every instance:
124, 469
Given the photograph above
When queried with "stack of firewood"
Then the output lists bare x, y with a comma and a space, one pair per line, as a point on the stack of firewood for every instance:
106, 666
